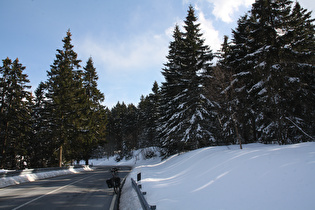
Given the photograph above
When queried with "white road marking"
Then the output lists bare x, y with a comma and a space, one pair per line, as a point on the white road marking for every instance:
60, 188
112, 204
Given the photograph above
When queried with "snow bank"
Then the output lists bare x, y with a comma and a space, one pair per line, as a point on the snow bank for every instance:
7, 181
257, 177
138, 158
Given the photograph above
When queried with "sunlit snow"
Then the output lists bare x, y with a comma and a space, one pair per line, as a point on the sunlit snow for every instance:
225, 177
257, 177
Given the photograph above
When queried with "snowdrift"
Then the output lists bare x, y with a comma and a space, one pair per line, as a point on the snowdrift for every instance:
257, 177
8, 181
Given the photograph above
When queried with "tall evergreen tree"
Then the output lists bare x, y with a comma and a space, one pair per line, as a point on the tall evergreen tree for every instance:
265, 72
92, 122
131, 130
148, 118
188, 123
15, 115
239, 119
169, 90
41, 148
62, 86
219, 90
123, 130
116, 128
297, 91
268, 17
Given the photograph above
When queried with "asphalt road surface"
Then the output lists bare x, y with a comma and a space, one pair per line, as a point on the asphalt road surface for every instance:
87, 190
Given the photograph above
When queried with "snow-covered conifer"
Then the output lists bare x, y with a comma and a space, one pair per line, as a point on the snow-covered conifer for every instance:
186, 117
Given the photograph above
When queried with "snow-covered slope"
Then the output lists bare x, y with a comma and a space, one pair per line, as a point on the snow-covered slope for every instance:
257, 177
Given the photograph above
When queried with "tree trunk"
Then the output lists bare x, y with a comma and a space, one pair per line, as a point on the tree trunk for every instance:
236, 130
60, 156
4, 145
254, 129
238, 137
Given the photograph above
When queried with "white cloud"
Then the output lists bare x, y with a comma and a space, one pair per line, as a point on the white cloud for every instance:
169, 32
136, 54
224, 9
309, 5
128, 67
211, 36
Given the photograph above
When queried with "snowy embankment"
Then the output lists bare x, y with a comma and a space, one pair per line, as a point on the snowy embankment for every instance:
257, 177
30, 177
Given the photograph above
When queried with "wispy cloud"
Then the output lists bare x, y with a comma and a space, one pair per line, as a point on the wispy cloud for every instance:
121, 56
210, 34
145, 50
127, 68
224, 9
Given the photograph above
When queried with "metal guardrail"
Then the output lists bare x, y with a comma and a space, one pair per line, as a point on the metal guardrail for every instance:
142, 199
116, 202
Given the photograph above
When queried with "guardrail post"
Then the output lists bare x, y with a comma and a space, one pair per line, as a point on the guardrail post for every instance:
139, 180
143, 201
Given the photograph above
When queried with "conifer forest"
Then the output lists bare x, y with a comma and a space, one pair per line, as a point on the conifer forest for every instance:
259, 87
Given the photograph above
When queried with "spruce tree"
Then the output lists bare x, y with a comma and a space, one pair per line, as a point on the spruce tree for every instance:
62, 94
116, 128
264, 58
41, 149
144, 107
15, 115
239, 122
188, 122
123, 130
219, 88
298, 84
268, 18
131, 130
92, 122
169, 90
148, 118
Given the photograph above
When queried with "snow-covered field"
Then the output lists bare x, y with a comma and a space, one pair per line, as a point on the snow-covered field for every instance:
257, 177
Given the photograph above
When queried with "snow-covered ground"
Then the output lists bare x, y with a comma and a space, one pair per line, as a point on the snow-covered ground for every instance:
257, 177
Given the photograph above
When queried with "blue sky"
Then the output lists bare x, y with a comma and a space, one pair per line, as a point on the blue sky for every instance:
128, 40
